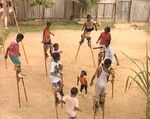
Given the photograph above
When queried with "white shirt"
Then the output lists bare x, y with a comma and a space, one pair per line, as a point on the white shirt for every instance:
54, 69
109, 53
70, 104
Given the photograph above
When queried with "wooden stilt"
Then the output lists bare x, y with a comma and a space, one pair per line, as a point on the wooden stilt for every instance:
45, 62
19, 32
77, 52
93, 57
112, 87
4, 52
18, 90
55, 104
24, 90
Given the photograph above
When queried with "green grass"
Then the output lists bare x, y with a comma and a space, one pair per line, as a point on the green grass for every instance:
33, 26
147, 27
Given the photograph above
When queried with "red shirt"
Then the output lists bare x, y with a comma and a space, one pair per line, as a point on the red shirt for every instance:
13, 48
83, 80
46, 35
104, 36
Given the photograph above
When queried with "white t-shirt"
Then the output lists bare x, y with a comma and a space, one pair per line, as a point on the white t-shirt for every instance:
109, 53
70, 104
54, 69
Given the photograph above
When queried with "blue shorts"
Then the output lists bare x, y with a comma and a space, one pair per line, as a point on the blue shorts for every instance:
15, 59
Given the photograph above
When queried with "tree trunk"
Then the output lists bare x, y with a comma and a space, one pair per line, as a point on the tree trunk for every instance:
43, 17
80, 15
65, 8
148, 106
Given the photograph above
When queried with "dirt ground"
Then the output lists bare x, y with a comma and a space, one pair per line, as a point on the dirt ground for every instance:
129, 105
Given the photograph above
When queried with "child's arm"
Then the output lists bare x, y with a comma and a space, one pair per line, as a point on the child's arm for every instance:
116, 59
99, 39
91, 83
6, 55
78, 109
52, 33
83, 26
95, 26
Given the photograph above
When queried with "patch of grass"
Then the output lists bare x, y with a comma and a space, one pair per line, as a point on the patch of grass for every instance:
147, 27
32, 26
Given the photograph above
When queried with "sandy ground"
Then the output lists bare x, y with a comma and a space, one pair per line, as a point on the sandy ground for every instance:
129, 105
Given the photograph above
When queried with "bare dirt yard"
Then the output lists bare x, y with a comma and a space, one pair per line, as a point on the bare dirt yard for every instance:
130, 105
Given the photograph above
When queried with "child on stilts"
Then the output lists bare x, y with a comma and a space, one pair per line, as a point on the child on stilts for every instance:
47, 44
102, 72
56, 76
88, 27
14, 54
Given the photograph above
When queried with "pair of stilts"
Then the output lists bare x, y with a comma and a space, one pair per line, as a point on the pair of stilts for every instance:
90, 46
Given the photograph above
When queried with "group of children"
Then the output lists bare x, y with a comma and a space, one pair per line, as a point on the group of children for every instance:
103, 71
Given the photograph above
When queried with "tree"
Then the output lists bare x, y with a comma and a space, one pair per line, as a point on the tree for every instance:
44, 3
86, 4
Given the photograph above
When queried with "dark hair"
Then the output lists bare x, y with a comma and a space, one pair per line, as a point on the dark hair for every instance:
84, 72
107, 29
48, 23
55, 44
88, 16
74, 91
20, 36
107, 62
55, 55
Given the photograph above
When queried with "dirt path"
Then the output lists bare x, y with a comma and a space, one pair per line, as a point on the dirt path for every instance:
41, 103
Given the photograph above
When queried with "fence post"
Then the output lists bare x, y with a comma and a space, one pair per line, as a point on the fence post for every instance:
130, 6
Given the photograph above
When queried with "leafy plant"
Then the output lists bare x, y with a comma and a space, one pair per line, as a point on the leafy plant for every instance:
45, 3
141, 78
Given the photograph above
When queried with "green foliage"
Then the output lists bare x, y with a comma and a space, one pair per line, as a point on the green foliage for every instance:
45, 3
87, 4
141, 78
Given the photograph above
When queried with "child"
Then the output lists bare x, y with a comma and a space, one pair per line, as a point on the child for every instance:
46, 38
102, 74
107, 53
56, 75
71, 103
83, 81
55, 48
104, 36
88, 27
13, 52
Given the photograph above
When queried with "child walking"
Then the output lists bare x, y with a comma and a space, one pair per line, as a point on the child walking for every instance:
71, 103
104, 36
102, 72
88, 27
82, 79
13, 52
47, 39
56, 76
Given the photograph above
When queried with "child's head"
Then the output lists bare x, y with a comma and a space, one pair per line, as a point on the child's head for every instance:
83, 73
19, 37
107, 63
107, 43
56, 46
56, 56
74, 91
88, 17
107, 29
48, 23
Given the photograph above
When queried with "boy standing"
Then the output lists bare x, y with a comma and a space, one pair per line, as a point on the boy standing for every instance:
13, 52
46, 38
83, 81
88, 27
71, 103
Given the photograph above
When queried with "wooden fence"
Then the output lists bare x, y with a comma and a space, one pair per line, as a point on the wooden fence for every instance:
122, 10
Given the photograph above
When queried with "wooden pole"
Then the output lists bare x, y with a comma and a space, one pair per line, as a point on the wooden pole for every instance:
45, 62
24, 90
77, 52
18, 89
55, 104
19, 32
93, 57
4, 52
112, 88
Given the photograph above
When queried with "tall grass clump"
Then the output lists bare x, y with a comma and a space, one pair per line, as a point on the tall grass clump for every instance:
141, 77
